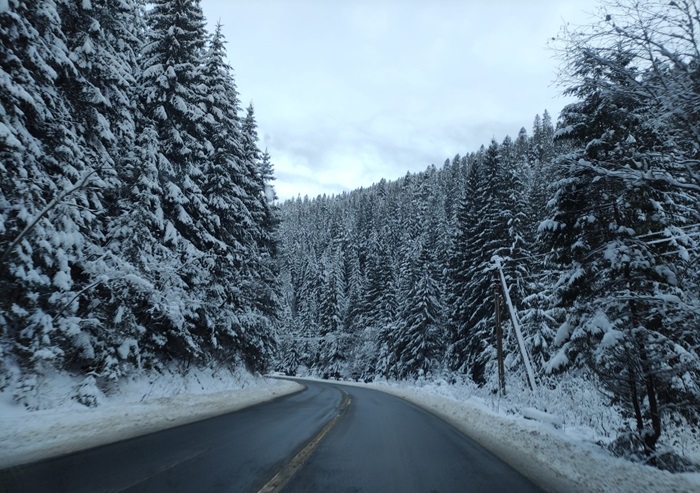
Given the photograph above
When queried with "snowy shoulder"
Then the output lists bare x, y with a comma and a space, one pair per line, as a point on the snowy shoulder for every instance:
142, 407
538, 446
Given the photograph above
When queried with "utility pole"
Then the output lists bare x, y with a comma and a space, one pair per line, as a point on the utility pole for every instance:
516, 325
499, 337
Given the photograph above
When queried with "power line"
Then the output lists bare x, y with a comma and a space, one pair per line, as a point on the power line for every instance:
545, 274
678, 252
672, 238
652, 242
666, 229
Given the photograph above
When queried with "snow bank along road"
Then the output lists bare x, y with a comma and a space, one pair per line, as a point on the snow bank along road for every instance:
326, 438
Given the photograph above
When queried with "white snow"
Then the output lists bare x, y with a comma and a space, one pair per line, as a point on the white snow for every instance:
62, 280
126, 346
561, 459
140, 406
537, 415
556, 450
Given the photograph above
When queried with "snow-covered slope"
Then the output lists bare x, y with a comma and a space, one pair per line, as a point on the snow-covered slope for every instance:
140, 406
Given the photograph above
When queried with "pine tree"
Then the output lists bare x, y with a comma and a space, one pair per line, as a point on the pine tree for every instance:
467, 244
30, 105
620, 261
331, 309
379, 304
260, 276
147, 303
53, 189
103, 42
490, 238
234, 228
171, 102
419, 333
126, 220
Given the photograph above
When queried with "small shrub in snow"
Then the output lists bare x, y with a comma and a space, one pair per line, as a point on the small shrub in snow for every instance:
87, 392
631, 446
26, 392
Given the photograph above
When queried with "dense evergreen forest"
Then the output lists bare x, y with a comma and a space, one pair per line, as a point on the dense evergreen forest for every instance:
139, 227
595, 222
136, 210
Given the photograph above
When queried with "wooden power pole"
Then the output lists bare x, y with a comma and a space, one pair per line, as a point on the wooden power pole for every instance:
499, 337
516, 324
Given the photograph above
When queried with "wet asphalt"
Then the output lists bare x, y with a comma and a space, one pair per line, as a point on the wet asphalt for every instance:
381, 443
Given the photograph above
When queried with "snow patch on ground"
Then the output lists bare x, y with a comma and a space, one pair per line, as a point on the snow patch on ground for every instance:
139, 406
558, 459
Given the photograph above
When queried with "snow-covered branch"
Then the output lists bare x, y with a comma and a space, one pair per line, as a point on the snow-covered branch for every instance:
51, 205
629, 174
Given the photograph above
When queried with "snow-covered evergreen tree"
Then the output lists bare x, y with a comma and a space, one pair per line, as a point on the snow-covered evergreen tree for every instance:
621, 247
172, 97
66, 112
124, 223
419, 335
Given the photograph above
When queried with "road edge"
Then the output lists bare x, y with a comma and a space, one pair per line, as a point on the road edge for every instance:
73, 437
575, 468
540, 473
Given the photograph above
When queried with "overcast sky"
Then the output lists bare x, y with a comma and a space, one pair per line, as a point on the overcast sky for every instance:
349, 91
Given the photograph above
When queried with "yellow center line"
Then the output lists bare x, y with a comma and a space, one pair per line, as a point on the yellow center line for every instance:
280, 479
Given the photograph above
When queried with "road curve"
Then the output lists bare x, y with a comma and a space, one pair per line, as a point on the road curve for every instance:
235, 452
380, 443
386, 444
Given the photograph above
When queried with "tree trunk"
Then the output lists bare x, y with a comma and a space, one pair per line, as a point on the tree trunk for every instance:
634, 394
650, 437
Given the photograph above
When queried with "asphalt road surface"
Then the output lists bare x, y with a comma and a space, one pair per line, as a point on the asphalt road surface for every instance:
326, 438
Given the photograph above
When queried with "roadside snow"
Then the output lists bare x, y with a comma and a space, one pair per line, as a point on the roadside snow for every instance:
140, 406
561, 459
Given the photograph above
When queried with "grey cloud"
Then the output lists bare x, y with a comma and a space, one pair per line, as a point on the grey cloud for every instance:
349, 92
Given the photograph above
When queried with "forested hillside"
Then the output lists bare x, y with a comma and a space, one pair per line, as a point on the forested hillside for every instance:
139, 229
596, 221
397, 280
136, 216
